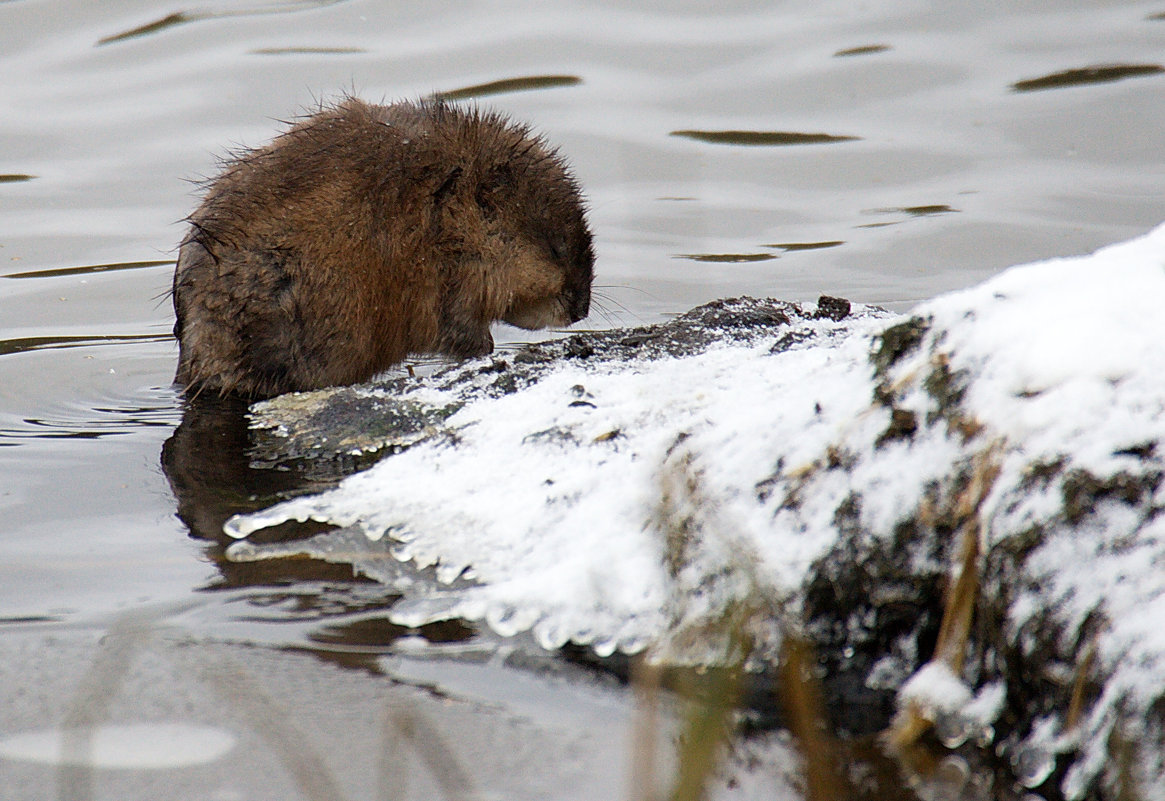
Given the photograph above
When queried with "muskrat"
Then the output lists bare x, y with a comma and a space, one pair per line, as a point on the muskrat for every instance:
364, 233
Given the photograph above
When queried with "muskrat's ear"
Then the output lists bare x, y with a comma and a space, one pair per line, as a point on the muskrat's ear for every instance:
448, 186
496, 181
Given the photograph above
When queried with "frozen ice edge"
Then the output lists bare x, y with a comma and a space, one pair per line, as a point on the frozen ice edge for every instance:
552, 507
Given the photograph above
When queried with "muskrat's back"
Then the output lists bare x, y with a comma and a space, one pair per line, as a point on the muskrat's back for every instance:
365, 233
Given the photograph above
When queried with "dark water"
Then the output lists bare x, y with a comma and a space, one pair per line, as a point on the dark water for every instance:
882, 151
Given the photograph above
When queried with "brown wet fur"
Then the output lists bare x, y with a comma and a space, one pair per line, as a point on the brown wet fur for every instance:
365, 233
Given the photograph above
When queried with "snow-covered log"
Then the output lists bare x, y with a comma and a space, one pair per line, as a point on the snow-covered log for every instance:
961, 506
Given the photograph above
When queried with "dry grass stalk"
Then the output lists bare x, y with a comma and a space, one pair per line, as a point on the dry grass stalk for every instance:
437, 754
1076, 700
714, 695
1123, 753
686, 521
247, 701
646, 680
954, 632
96, 690
801, 695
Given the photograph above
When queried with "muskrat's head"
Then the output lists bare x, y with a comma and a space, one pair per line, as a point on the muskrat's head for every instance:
516, 210
552, 269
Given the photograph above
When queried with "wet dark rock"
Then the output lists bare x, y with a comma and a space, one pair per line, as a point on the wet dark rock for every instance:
903, 424
832, 308
1083, 492
382, 417
898, 341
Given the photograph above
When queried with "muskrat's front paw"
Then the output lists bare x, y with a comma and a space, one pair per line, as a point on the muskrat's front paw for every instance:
468, 344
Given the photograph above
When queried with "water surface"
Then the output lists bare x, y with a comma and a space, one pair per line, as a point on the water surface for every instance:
880, 152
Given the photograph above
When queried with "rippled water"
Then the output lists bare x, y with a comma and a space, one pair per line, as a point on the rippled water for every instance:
879, 151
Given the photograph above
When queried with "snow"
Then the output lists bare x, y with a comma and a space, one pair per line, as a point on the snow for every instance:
936, 688
550, 506
559, 515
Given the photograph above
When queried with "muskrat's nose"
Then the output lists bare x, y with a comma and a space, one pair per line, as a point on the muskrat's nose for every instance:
580, 304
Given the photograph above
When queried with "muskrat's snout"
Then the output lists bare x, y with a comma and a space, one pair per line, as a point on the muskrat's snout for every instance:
549, 289
577, 290
579, 304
